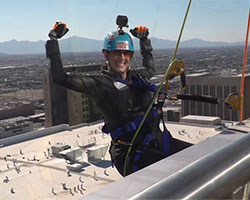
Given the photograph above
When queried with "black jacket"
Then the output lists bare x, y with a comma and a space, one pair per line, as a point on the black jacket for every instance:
118, 106
118, 103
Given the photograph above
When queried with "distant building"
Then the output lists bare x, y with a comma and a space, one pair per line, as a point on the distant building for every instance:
55, 102
81, 108
67, 106
22, 109
216, 86
14, 126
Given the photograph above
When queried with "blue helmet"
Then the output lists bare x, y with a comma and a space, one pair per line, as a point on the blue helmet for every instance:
118, 41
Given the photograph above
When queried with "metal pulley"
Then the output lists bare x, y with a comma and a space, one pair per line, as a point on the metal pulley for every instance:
176, 68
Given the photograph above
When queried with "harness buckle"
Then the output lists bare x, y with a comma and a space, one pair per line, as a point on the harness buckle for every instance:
124, 143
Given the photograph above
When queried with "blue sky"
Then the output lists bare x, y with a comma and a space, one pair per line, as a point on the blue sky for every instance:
212, 20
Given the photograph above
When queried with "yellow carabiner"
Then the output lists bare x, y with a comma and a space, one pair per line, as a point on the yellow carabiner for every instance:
234, 101
176, 68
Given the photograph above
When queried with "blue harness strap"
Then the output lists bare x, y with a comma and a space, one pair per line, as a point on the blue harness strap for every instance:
138, 154
138, 83
129, 128
132, 126
147, 139
165, 146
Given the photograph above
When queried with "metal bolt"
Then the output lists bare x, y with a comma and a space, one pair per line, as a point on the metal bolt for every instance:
180, 133
68, 172
82, 187
17, 170
80, 179
6, 180
70, 191
64, 186
105, 172
12, 191
95, 176
53, 191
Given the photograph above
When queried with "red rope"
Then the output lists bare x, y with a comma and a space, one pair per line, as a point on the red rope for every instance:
244, 67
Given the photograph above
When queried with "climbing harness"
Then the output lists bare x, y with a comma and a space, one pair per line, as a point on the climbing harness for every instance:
166, 76
128, 129
152, 135
123, 135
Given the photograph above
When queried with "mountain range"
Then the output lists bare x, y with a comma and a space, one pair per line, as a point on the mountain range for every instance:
80, 44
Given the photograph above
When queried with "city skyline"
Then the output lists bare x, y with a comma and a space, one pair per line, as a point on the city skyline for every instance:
218, 21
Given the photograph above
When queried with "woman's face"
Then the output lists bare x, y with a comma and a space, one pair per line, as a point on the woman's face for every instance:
119, 61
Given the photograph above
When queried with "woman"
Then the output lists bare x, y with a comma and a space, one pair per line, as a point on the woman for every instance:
121, 93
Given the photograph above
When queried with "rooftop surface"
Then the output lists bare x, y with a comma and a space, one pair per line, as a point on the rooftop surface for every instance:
27, 171
171, 178
27, 168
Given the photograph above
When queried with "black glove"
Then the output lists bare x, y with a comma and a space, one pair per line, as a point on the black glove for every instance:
140, 32
59, 30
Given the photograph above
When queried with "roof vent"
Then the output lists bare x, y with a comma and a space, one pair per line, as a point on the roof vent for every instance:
197, 119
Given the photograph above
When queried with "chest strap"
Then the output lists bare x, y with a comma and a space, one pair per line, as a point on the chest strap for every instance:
129, 127
139, 83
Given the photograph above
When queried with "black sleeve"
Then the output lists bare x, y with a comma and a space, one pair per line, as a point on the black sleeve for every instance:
148, 69
72, 81
53, 53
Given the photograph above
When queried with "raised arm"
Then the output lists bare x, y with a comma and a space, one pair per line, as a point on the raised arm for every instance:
75, 82
53, 53
148, 70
